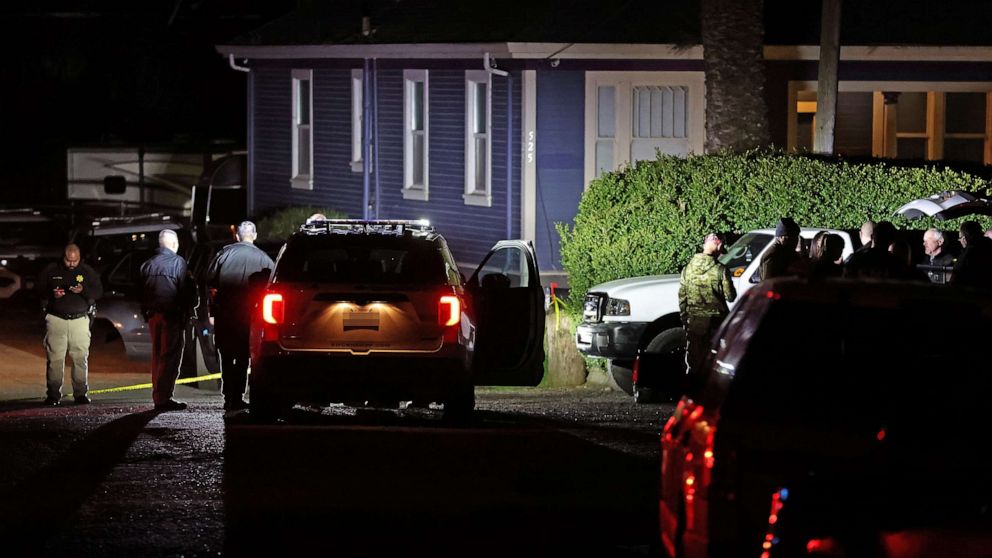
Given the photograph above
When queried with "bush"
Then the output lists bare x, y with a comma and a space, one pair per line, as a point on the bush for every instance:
281, 223
651, 218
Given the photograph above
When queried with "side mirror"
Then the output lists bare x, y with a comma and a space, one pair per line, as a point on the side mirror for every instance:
755, 278
114, 184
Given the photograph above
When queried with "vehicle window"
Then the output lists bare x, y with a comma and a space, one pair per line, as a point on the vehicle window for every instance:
846, 367
509, 262
36, 233
744, 251
359, 259
121, 275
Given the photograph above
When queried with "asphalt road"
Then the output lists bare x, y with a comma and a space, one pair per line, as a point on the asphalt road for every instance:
539, 472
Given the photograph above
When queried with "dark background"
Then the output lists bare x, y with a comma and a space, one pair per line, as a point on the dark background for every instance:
116, 72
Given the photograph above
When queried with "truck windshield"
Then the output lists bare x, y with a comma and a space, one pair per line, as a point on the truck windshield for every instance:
743, 252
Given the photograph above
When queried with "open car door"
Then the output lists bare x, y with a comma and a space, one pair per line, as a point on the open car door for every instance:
946, 205
509, 303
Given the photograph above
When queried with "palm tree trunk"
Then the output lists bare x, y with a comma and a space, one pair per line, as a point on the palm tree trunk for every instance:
733, 40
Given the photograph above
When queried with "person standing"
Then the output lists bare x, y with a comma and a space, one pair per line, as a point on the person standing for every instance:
974, 267
230, 309
69, 288
705, 289
168, 298
938, 256
782, 259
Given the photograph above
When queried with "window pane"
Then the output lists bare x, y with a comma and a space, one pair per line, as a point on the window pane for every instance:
972, 150
642, 117
304, 98
480, 108
604, 156
965, 113
509, 262
912, 112
607, 112
480, 164
679, 112
303, 144
418, 105
418, 158
911, 148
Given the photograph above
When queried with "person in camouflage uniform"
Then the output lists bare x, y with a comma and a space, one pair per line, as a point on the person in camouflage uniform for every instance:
705, 288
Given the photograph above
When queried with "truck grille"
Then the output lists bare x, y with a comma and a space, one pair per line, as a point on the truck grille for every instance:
592, 308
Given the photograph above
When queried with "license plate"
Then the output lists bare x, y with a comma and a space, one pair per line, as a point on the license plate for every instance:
361, 320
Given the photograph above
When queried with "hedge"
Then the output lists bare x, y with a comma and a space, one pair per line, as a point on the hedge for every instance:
650, 218
283, 222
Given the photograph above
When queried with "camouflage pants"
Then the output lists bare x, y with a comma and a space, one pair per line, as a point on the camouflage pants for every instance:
699, 336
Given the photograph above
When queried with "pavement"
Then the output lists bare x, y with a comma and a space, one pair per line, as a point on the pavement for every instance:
22, 376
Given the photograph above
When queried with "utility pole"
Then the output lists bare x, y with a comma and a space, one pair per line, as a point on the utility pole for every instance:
826, 89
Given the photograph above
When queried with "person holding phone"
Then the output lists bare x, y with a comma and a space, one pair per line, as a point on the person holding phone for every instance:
68, 288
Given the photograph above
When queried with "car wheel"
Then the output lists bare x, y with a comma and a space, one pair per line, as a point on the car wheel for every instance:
670, 341
459, 405
622, 372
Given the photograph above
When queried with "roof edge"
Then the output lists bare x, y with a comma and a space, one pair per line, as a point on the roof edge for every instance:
468, 50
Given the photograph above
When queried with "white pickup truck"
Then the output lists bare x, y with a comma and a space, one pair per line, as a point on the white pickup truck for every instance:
625, 316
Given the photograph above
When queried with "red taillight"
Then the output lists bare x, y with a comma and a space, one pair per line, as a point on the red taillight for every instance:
273, 308
449, 310
637, 369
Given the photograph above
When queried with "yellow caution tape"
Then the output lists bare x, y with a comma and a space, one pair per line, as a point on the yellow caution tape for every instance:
149, 386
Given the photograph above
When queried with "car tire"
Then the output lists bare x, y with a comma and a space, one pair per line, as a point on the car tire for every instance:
622, 372
459, 405
671, 340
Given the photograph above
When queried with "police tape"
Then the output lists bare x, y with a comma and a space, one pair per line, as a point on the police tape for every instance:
135, 387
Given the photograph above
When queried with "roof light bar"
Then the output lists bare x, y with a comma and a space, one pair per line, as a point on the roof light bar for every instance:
362, 226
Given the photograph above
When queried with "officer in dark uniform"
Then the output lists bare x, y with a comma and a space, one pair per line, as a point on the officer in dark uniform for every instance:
227, 280
168, 298
69, 288
782, 259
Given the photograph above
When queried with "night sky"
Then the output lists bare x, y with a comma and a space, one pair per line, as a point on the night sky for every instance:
89, 73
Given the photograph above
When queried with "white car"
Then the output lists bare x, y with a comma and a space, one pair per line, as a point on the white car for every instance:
623, 317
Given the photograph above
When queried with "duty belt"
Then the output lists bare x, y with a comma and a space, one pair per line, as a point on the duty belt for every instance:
75, 316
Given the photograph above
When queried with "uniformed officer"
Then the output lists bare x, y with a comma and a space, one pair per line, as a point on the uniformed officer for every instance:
69, 288
782, 259
705, 288
168, 298
227, 279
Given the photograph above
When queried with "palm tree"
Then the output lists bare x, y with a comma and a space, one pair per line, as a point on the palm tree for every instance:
733, 40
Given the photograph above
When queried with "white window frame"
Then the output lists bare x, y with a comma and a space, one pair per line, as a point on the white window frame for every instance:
472, 196
357, 112
301, 178
411, 190
694, 82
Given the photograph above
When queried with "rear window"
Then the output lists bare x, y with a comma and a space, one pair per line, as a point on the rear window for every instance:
853, 367
360, 259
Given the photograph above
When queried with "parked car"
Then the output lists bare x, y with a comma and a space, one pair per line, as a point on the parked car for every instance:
30, 239
377, 310
838, 418
625, 316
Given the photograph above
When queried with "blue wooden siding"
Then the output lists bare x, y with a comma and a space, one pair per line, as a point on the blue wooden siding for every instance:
470, 230
560, 153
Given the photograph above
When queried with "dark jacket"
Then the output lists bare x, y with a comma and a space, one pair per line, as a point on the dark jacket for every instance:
974, 267
167, 287
875, 263
229, 272
57, 275
779, 261
944, 259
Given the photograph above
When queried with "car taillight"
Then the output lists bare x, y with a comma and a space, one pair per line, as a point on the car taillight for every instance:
449, 310
637, 369
273, 308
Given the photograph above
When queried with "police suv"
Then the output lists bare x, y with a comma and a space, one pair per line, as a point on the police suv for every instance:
378, 311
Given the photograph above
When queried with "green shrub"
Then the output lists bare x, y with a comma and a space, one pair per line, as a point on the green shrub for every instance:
283, 222
651, 217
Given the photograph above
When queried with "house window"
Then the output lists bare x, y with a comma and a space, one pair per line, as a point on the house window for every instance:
302, 129
478, 147
633, 116
901, 120
357, 120
415, 134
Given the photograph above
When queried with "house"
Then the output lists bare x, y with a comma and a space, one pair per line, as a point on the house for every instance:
491, 122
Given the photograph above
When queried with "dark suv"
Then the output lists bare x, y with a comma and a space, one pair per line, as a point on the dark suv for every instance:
377, 310
836, 418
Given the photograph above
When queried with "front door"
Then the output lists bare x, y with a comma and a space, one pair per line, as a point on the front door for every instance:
509, 303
